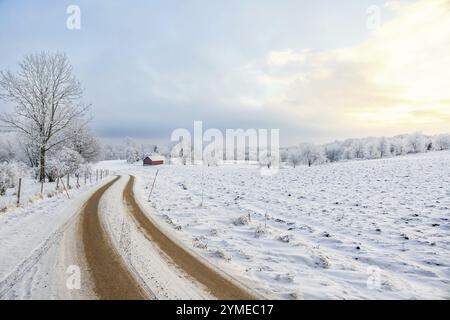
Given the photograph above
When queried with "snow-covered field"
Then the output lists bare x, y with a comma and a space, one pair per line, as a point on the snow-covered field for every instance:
362, 229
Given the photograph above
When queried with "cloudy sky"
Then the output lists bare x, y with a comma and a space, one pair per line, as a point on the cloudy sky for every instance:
317, 70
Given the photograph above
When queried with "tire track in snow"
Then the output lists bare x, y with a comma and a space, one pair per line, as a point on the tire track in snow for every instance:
112, 279
219, 285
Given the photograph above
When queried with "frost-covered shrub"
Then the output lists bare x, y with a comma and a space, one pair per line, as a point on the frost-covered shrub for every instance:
212, 156
167, 219
261, 231
285, 238
84, 170
371, 150
333, 152
311, 154
416, 143
398, 146
294, 156
384, 147
367, 148
266, 160
241, 221
221, 254
287, 277
10, 172
63, 162
441, 142
132, 154
200, 242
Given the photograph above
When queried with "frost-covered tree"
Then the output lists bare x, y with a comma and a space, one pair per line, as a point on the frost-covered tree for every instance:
132, 151
47, 100
311, 154
211, 159
358, 149
63, 162
398, 146
8, 147
84, 142
294, 156
441, 142
371, 149
266, 159
113, 151
384, 147
131, 154
212, 154
10, 172
416, 143
334, 151
84, 170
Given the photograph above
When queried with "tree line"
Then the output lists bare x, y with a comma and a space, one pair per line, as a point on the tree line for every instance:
366, 148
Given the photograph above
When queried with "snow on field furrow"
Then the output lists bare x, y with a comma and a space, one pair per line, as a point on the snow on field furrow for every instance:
314, 232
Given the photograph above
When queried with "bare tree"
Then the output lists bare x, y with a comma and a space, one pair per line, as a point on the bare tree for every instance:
47, 98
294, 156
311, 154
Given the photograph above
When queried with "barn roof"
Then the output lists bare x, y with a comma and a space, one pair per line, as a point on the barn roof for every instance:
156, 158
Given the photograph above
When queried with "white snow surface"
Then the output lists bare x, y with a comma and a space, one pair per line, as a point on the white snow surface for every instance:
375, 229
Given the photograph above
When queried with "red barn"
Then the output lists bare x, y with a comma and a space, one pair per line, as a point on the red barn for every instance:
153, 160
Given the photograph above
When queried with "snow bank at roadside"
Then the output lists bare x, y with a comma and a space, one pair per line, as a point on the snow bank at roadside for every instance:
29, 237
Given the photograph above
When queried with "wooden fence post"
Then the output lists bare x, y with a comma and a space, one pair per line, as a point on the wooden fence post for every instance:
18, 191
67, 192
153, 185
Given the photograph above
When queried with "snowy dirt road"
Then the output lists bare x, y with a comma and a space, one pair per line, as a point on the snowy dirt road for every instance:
110, 274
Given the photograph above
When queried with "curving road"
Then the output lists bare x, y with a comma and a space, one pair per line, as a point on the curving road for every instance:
110, 276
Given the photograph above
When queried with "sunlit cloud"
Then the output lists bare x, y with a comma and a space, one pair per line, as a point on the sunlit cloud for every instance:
397, 80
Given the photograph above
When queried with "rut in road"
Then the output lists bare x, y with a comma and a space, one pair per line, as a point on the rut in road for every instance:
218, 284
111, 276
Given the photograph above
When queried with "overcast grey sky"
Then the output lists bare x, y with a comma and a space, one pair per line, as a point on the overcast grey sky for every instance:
149, 67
